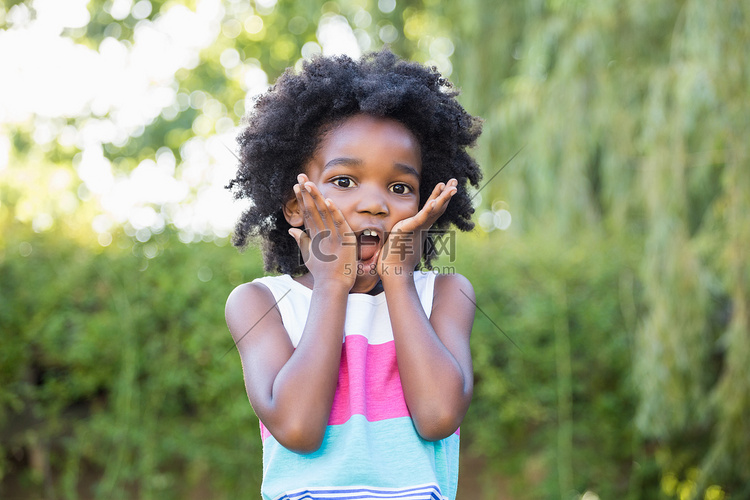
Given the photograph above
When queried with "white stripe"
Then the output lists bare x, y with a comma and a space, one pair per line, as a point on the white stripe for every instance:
366, 315
417, 492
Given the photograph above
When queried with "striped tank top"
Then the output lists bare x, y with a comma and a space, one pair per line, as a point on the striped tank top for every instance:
371, 448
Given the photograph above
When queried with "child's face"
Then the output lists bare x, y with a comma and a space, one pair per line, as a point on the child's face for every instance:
370, 167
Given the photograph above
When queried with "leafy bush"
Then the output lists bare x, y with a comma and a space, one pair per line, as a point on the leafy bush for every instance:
118, 378
552, 349
121, 365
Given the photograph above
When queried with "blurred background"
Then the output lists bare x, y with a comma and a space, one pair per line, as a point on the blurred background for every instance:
610, 259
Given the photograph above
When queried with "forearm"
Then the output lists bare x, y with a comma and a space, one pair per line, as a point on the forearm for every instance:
436, 389
302, 393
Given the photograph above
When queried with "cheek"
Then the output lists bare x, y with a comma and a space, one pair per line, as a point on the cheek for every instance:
328, 192
409, 207
341, 198
325, 188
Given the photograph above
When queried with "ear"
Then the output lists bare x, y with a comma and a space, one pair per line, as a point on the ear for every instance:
292, 213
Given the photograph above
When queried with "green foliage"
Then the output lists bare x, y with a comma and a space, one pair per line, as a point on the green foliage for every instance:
632, 118
552, 350
119, 363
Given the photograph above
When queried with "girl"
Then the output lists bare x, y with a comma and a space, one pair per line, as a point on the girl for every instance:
357, 364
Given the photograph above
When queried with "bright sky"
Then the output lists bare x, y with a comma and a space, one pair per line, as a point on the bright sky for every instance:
48, 77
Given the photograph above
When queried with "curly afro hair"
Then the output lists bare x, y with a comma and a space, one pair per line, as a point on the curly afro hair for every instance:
285, 128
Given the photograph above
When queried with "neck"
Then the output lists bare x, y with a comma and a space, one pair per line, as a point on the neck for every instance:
308, 280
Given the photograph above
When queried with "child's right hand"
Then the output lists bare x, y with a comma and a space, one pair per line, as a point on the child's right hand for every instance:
328, 244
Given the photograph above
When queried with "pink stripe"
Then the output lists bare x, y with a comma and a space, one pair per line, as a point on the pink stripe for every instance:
264, 433
372, 388
369, 383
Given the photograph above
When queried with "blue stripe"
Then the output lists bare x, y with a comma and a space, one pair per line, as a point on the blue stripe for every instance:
360, 455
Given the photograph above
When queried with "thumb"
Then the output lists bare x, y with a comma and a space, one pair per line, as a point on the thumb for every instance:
299, 236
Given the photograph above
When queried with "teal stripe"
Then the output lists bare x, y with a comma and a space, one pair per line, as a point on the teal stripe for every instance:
387, 453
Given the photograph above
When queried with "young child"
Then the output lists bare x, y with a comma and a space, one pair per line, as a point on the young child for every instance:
356, 363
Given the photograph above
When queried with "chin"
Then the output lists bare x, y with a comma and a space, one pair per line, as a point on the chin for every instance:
365, 282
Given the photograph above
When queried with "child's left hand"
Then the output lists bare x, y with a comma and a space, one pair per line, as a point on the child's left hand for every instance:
402, 250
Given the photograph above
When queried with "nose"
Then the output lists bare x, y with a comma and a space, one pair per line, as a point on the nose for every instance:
372, 201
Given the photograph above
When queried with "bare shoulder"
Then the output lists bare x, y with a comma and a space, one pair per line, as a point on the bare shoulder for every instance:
248, 292
452, 286
247, 304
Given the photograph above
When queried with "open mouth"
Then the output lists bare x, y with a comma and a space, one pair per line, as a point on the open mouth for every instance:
368, 243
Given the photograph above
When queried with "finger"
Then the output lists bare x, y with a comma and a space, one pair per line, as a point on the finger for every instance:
319, 202
434, 207
449, 190
417, 221
432, 210
438, 206
310, 212
442, 189
304, 203
421, 217
302, 239
435, 192
303, 242
340, 225
298, 195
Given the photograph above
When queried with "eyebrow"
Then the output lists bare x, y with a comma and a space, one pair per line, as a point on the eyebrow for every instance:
355, 162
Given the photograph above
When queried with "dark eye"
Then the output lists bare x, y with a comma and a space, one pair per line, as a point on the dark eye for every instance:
401, 189
343, 182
